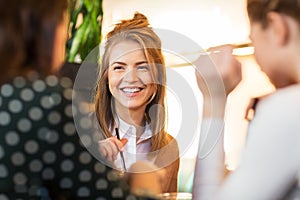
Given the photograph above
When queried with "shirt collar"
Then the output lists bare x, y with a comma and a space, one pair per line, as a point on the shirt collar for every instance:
130, 130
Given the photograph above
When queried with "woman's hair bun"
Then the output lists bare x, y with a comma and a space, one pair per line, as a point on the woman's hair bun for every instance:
142, 19
138, 21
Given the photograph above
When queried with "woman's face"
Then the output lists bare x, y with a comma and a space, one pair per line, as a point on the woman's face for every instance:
267, 53
129, 76
270, 52
260, 40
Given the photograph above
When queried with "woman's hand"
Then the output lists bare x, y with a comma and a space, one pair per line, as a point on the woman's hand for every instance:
218, 72
110, 147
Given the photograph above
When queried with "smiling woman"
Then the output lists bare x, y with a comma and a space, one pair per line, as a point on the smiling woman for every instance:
130, 79
130, 97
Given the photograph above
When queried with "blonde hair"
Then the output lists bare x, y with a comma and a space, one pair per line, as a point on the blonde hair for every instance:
136, 29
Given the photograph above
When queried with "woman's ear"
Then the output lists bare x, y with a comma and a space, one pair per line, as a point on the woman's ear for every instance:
278, 28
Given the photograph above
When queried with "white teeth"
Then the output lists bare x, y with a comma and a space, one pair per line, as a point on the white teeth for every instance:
131, 90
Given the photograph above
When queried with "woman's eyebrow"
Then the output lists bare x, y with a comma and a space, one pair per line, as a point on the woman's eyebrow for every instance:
141, 62
118, 63
122, 63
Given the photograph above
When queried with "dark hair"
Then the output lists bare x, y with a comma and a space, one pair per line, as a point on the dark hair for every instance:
27, 32
258, 9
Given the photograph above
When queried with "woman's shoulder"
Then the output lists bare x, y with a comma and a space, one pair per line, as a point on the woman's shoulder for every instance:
283, 93
36, 98
171, 139
171, 144
168, 153
279, 109
38, 84
287, 98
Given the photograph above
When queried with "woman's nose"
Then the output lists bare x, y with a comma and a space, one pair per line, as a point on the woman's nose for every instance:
131, 75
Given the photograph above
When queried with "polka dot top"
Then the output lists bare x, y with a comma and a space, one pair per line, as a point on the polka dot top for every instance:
41, 154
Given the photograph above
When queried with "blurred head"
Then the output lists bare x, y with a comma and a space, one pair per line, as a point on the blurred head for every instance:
275, 34
258, 9
143, 42
32, 36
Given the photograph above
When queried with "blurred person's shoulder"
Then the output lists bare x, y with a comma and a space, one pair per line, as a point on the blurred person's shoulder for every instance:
287, 97
279, 105
38, 83
33, 97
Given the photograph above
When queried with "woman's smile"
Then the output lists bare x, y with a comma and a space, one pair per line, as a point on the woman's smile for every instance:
132, 91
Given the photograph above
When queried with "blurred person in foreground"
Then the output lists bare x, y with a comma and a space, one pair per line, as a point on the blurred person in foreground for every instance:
271, 158
41, 155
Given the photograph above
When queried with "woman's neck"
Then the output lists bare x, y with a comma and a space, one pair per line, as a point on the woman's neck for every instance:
133, 117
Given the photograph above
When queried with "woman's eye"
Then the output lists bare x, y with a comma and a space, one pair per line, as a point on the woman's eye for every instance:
118, 68
143, 68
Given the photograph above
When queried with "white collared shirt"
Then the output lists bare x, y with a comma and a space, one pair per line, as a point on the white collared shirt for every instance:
133, 150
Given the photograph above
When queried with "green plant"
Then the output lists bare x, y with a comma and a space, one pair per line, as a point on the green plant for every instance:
84, 28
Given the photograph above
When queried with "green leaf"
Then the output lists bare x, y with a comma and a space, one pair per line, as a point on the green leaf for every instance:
77, 40
87, 36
